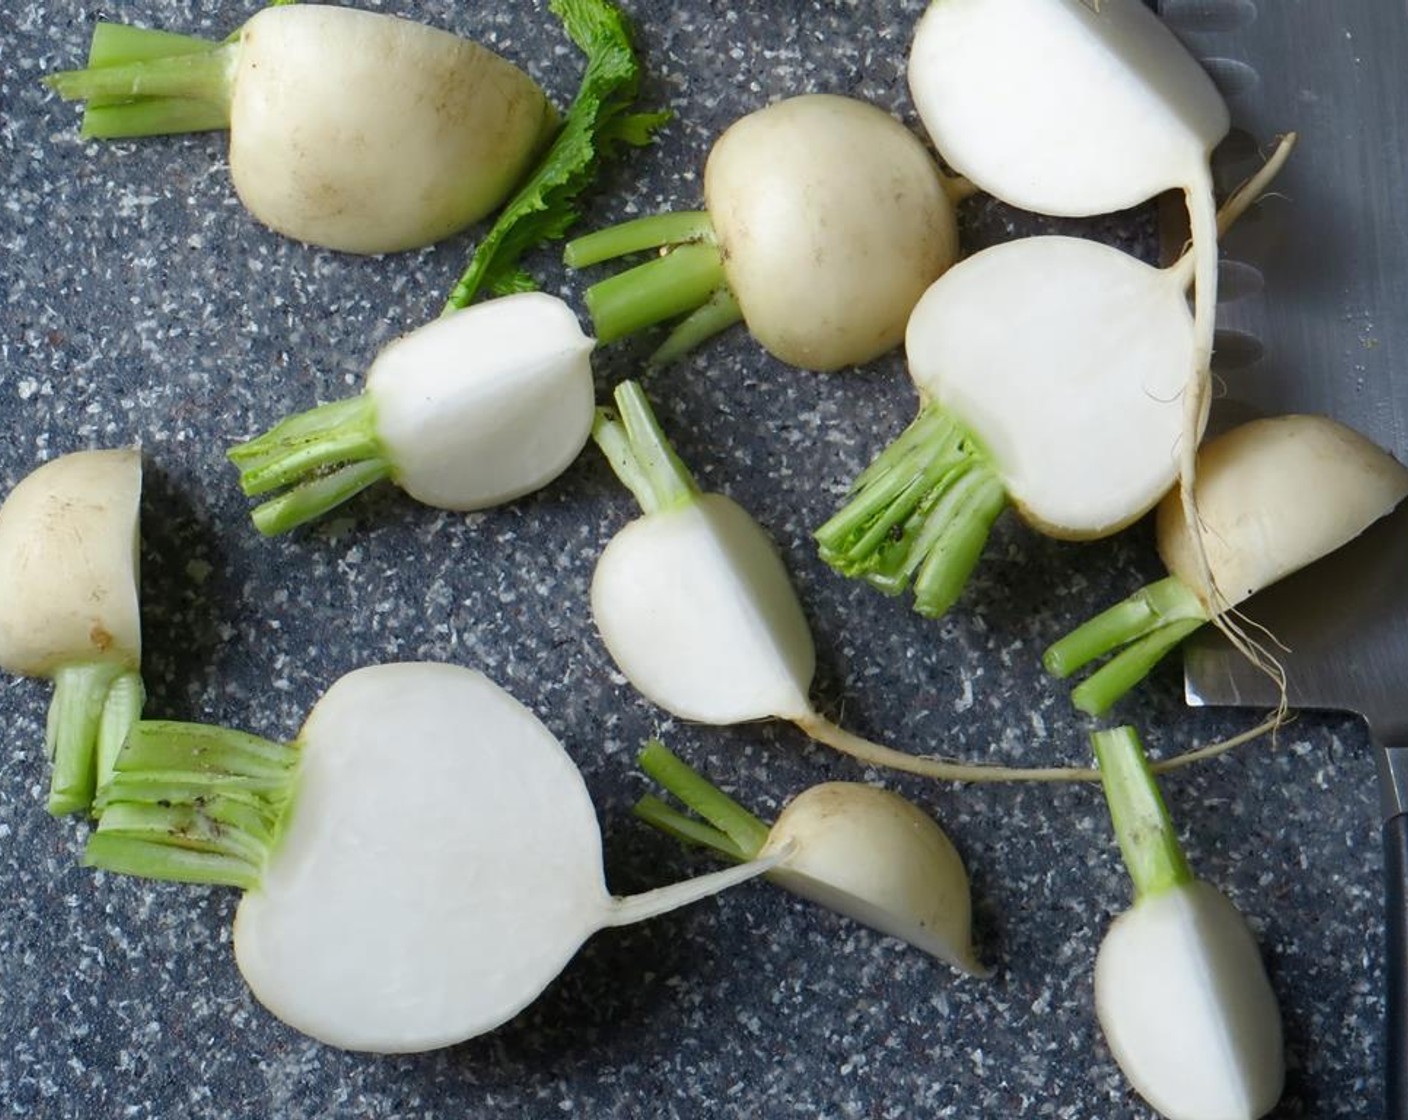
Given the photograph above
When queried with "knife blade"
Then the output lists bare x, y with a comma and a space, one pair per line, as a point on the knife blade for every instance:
1314, 318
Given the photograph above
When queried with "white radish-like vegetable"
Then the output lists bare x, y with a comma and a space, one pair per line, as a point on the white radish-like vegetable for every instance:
826, 220
349, 129
69, 543
1051, 374
1180, 989
471, 410
1274, 495
862, 851
1076, 108
418, 865
696, 608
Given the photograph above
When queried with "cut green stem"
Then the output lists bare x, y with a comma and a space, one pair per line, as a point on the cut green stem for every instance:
686, 279
93, 706
114, 117
195, 71
919, 515
743, 833
320, 458
640, 453
1142, 824
194, 803
1147, 625
638, 235
668, 286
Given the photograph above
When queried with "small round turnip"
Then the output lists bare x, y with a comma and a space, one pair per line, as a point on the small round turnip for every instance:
826, 220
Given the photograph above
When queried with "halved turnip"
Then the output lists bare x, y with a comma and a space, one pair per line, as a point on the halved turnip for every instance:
1180, 989
1273, 495
826, 220
349, 129
468, 411
696, 608
862, 851
69, 542
1052, 373
418, 865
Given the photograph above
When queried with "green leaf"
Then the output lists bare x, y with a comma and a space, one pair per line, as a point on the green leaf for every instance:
599, 122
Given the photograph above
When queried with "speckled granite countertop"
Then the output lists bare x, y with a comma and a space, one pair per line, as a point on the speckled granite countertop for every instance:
142, 306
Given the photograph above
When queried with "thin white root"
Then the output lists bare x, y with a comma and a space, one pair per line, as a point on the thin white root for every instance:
822, 730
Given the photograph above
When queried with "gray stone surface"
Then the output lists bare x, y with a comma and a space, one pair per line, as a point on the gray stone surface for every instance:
141, 305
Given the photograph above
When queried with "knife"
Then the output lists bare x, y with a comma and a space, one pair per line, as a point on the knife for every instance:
1314, 318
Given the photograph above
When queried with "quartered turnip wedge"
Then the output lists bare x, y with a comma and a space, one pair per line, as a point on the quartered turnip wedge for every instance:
417, 866
864, 852
696, 608
1273, 496
349, 129
69, 542
826, 219
1180, 989
1075, 108
471, 410
1052, 375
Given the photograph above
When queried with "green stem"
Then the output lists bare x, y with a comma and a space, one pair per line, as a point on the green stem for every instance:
194, 803
687, 829
746, 832
324, 456
92, 708
110, 118
1142, 824
1147, 624
669, 286
719, 312
310, 500
638, 235
199, 73
919, 514
640, 453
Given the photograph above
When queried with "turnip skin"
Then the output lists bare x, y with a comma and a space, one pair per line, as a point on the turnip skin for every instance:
871, 855
352, 130
827, 249
1282, 492
330, 141
820, 252
1180, 989
1275, 495
69, 541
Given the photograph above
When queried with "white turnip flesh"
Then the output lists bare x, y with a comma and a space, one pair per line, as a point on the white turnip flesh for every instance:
418, 865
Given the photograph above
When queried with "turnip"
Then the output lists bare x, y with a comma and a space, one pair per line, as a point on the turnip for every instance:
826, 219
348, 129
1180, 989
1051, 374
862, 851
473, 409
69, 538
418, 865
1273, 496
696, 608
